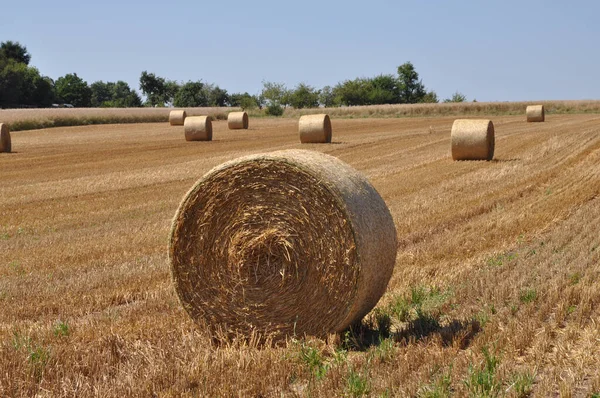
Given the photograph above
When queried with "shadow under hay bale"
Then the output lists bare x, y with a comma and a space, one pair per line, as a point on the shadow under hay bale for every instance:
281, 244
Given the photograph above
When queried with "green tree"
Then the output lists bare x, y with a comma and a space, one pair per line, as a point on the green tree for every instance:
353, 92
244, 101
101, 93
275, 94
23, 85
171, 89
191, 94
15, 51
456, 97
216, 95
115, 95
71, 89
384, 90
412, 89
304, 96
327, 97
430, 97
154, 88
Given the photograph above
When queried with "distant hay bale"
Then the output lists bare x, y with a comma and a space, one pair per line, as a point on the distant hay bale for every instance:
283, 243
5, 145
237, 120
472, 139
314, 129
535, 113
177, 118
198, 128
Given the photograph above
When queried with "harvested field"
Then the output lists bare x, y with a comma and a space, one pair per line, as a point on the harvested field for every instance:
496, 277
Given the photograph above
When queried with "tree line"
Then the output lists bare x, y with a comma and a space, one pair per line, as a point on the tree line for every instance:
22, 85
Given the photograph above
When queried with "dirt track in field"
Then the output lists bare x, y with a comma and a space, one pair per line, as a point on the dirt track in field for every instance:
85, 214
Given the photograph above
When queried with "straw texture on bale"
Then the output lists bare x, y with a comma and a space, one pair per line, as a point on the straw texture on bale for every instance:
535, 113
314, 129
237, 120
5, 145
472, 139
289, 242
177, 118
198, 128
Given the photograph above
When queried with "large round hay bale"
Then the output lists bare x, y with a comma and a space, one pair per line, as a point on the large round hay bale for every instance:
198, 128
535, 113
237, 120
472, 139
5, 145
289, 242
177, 118
314, 129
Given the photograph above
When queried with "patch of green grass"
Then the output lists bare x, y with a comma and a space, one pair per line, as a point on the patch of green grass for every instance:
313, 360
61, 329
574, 278
498, 260
527, 295
357, 383
439, 388
523, 384
384, 351
481, 380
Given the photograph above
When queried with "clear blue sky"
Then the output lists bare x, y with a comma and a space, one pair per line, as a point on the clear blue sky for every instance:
488, 50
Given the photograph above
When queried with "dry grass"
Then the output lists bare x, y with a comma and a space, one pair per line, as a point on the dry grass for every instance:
495, 288
30, 119
450, 109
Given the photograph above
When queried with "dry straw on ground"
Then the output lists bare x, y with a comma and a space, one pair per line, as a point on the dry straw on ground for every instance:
177, 118
198, 128
535, 113
314, 129
237, 120
289, 242
472, 139
5, 145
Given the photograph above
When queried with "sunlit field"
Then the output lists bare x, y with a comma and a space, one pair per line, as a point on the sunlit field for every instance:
495, 290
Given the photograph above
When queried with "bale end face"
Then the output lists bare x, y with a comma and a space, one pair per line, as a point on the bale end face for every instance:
237, 120
5, 143
198, 128
472, 139
535, 113
177, 117
285, 243
315, 129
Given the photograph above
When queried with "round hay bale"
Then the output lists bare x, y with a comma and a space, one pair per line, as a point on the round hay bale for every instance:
289, 242
177, 118
198, 128
5, 145
472, 139
314, 129
237, 120
535, 113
